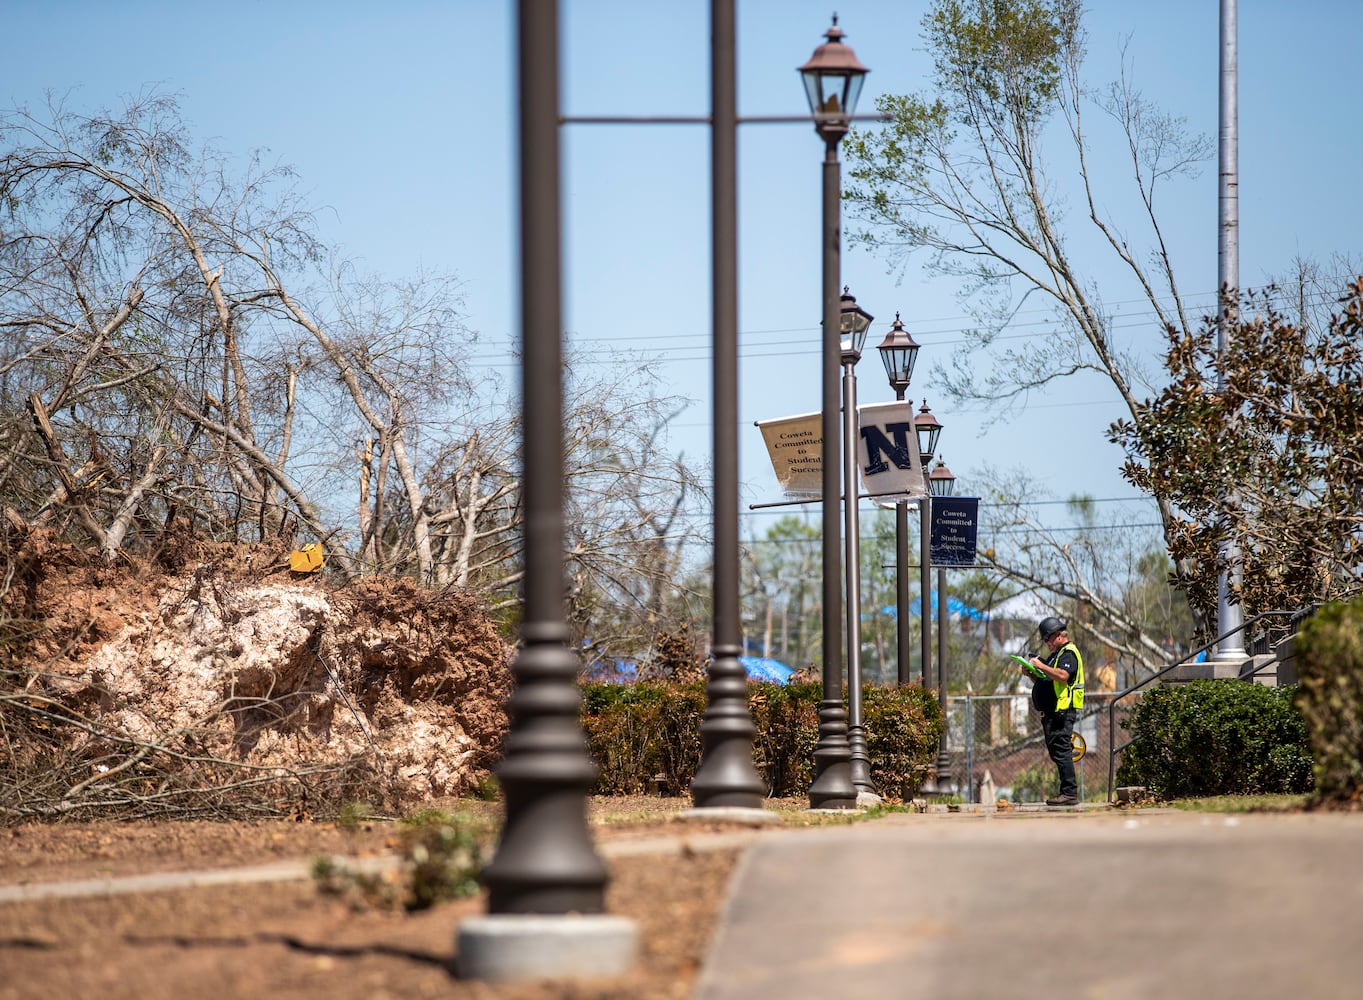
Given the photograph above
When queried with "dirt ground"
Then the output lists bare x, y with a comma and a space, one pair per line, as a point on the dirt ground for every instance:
290, 940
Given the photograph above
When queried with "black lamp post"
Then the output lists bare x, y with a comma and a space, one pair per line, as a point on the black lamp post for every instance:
928, 429
545, 862
832, 79
854, 322
546, 884
942, 484
726, 778
899, 352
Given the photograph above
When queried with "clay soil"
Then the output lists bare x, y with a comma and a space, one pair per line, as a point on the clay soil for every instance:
288, 939
128, 650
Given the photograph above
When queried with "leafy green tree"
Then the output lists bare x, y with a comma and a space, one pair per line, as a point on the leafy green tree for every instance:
782, 591
1160, 608
977, 174
1261, 443
879, 611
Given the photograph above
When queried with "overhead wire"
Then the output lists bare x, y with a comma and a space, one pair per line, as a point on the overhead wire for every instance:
952, 326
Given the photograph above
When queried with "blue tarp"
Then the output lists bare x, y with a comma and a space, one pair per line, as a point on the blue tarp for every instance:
758, 668
764, 668
954, 606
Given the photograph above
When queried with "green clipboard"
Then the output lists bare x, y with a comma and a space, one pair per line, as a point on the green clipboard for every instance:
1030, 669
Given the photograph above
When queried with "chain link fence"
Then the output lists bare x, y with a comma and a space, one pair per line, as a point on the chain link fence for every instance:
996, 740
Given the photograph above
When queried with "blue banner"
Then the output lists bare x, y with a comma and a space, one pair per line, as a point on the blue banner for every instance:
954, 524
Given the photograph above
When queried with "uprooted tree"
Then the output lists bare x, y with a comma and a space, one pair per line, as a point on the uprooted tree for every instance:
978, 173
179, 354
188, 380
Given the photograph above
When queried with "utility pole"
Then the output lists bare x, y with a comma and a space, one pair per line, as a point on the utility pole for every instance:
1229, 617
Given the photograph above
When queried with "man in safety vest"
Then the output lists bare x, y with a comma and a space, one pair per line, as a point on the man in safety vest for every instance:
1058, 694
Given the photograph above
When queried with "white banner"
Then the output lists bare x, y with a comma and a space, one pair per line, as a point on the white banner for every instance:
887, 453
795, 445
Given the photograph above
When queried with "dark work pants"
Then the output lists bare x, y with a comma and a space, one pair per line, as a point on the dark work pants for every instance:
1058, 727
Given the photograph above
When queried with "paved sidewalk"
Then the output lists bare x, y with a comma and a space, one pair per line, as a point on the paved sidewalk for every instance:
1142, 904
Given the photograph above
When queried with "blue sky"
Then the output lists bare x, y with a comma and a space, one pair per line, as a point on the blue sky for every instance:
399, 119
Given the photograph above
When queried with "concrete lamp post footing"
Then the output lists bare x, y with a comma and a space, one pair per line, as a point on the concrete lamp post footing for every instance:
516, 947
730, 814
864, 801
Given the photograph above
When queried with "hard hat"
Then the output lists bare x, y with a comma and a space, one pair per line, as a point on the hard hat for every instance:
1049, 626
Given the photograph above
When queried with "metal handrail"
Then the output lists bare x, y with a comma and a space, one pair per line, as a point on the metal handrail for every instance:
1113, 750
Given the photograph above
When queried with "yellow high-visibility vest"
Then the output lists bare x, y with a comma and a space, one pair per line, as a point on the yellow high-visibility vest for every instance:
1069, 695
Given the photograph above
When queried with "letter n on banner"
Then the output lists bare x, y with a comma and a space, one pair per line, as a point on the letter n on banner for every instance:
887, 453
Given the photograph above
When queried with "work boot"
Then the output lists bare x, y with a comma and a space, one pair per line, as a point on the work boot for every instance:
1063, 800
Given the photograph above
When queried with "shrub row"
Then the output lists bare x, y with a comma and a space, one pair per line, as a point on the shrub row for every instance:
1330, 698
646, 735
1217, 737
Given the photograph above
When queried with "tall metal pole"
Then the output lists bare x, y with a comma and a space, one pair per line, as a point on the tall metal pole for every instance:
1228, 616
545, 862
901, 582
925, 578
942, 612
943, 759
856, 728
899, 353
726, 777
832, 787
545, 875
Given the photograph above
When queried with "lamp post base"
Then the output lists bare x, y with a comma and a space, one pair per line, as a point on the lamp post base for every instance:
504, 948
726, 777
941, 781
832, 787
861, 761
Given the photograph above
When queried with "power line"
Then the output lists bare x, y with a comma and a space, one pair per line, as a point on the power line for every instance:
1020, 503
668, 353
1078, 528
1038, 529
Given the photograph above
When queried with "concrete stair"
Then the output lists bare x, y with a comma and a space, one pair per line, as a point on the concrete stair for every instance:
1271, 669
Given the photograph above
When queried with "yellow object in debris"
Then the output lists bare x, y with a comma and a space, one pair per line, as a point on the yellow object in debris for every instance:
308, 559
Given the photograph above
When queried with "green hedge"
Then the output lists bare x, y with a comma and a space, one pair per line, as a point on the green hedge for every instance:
650, 731
1216, 737
1330, 697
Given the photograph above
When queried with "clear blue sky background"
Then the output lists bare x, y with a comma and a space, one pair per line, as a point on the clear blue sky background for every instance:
399, 117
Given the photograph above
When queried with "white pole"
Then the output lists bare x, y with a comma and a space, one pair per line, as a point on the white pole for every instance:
1228, 616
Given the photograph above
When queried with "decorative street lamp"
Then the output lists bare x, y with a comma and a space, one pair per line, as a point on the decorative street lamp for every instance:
832, 79
942, 483
899, 352
928, 429
854, 322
